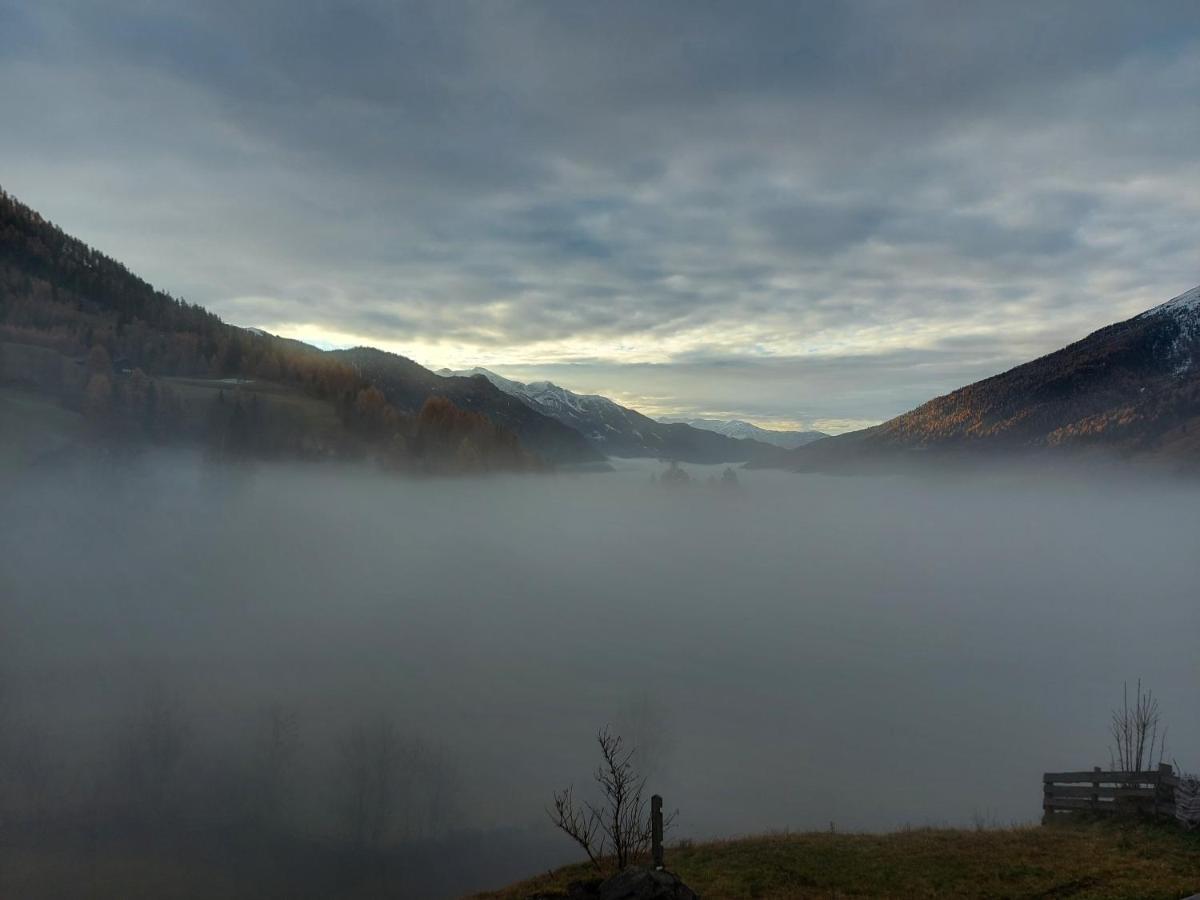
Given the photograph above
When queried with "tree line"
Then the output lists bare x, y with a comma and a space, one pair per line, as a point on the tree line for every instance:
124, 338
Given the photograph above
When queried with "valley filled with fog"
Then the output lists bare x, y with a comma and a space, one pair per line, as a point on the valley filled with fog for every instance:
799, 651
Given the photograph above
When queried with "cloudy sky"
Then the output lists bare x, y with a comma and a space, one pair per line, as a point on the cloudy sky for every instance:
808, 213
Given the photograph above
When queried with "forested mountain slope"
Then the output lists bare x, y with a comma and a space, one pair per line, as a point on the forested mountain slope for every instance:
114, 348
736, 428
616, 430
1131, 389
407, 385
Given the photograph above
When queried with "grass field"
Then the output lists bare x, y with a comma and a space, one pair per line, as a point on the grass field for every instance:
33, 427
289, 403
1076, 860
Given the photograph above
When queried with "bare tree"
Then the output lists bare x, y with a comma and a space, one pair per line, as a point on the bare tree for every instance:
370, 763
1137, 746
151, 754
428, 784
619, 825
580, 823
393, 785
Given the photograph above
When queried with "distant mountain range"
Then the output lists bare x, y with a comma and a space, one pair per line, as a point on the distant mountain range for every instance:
67, 308
616, 430
1131, 389
138, 365
736, 428
116, 366
407, 385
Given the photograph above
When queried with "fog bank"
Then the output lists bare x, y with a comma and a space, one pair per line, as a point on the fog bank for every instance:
870, 652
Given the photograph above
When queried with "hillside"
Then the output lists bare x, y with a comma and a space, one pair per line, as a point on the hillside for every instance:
81, 330
32, 429
1131, 390
616, 430
736, 428
1096, 861
407, 385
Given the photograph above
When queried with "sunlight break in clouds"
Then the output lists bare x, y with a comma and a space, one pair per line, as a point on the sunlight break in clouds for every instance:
677, 186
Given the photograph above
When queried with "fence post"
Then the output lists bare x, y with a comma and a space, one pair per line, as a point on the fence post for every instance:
1047, 799
1165, 771
1095, 788
656, 830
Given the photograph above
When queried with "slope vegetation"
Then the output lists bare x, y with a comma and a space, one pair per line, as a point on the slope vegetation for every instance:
1131, 389
1086, 861
407, 385
616, 430
736, 428
84, 331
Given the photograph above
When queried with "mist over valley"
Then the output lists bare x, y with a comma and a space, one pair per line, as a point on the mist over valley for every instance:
760, 644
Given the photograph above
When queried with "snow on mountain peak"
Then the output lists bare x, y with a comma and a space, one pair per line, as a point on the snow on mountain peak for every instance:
1185, 310
1187, 302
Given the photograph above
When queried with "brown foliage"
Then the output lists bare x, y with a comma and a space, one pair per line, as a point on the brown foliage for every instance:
61, 294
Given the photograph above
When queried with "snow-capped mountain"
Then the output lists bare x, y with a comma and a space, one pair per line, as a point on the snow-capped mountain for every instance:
1131, 389
1184, 311
616, 430
596, 418
407, 386
736, 428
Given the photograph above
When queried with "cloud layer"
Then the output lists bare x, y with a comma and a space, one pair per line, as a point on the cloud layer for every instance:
804, 213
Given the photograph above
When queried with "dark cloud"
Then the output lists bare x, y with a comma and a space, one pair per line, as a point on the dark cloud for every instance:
791, 187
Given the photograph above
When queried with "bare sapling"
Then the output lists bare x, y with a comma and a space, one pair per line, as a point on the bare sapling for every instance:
1137, 744
619, 825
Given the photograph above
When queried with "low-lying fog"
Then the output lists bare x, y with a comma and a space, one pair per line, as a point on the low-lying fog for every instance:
869, 652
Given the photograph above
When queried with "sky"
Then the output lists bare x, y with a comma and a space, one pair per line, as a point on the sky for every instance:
801, 214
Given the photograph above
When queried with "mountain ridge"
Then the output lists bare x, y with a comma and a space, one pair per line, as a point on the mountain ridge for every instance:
1130, 389
619, 431
407, 385
128, 356
739, 428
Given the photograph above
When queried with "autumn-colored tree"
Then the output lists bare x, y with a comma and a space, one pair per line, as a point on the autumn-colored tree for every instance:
453, 439
370, 411
58, 293
98, 400
137, 389
468, 458
99, 362
149, 411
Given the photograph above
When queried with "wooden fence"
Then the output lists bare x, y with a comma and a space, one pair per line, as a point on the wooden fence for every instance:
1102, 792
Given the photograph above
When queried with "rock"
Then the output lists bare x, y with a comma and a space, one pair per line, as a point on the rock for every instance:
633, 884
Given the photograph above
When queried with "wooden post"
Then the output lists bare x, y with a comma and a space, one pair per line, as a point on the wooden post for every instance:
1047, 800
656, 830
1161, 785
1095, 789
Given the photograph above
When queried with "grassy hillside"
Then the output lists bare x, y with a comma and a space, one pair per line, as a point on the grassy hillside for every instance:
74, 322
36, 406
288, 408
1077, 860
33, 428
